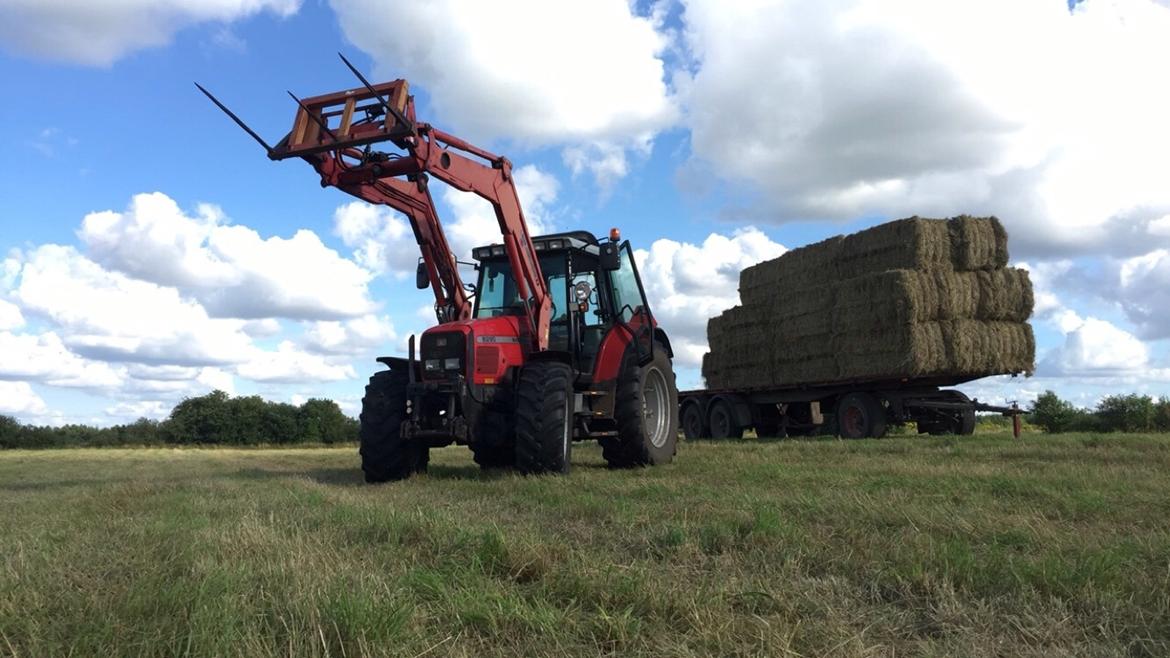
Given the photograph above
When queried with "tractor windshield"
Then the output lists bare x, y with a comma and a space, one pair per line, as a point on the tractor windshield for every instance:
497, 288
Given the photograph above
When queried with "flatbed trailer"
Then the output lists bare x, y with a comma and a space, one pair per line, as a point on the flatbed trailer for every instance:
851, 409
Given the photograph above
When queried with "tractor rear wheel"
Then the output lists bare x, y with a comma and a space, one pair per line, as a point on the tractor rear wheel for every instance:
385, 454
544, 418
646, 411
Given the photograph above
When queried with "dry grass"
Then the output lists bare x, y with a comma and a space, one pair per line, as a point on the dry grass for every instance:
980, 546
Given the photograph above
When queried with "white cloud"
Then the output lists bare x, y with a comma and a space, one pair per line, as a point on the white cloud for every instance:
108, 316
687, 283
10, 316
45, 358
351, 337
128, 412
19, 399
380, 237
230, 269
288, 364
99, 32
569, 72
1094, 347
895, 107
1145, 292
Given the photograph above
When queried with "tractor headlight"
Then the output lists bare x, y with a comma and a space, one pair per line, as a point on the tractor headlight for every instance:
451, 364
432, 365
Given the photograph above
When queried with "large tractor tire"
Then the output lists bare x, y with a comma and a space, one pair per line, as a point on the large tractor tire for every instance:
544, 418
386, 456
495, 445
961, 422
860, 415
646, 411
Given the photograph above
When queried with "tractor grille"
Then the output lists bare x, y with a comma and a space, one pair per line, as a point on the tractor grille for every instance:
487, 359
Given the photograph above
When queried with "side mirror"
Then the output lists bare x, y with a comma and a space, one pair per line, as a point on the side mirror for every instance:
610, 258
422, 280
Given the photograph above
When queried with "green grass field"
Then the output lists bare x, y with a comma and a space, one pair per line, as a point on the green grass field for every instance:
1050, 545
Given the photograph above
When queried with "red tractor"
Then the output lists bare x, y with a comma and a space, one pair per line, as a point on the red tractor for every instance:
554, 343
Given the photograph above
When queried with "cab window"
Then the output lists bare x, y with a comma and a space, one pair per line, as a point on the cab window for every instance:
627, 296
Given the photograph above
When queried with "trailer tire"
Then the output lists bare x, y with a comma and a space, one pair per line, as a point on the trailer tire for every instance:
386, 455
721, 418
693, 423
965, 422
860, 415
544, 418
645, 395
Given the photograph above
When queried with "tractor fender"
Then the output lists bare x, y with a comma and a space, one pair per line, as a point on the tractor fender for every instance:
660, 336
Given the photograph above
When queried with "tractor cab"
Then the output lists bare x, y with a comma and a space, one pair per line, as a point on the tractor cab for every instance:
590, 283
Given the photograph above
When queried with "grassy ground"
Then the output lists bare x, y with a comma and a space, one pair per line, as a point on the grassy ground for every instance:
1045, 546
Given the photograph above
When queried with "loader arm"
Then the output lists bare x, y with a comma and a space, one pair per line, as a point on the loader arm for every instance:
336, 133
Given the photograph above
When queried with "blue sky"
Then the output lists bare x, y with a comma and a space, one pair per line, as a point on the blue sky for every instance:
713, 134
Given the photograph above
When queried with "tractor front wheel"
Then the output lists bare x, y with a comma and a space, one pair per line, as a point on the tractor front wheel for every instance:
385, 454
646, 411
544, 418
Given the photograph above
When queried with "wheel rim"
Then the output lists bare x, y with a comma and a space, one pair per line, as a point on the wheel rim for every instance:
655, 407
852, 422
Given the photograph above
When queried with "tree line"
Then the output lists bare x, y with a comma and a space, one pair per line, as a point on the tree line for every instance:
1115, 413
214, 419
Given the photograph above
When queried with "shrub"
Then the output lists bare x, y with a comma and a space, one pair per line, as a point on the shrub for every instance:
1127, 413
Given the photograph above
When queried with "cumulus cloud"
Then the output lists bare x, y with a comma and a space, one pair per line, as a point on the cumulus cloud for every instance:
352, 337
45, 358
1144, 293
851, 107
289, 364
380, 237
545, 73
10, 316
99, 32
108, 316
1094, 347
687, 283
230, 269
19, 399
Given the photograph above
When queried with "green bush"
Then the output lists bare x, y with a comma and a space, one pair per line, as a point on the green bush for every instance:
1127, 413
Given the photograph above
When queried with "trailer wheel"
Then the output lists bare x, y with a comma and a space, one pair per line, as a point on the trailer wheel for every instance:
965, 419
385, 454
692, 422
860, 415
544, 418
646, 411
722, 420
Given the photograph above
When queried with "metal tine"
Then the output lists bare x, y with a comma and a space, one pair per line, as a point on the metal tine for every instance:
238, 120
392, 110
318, 120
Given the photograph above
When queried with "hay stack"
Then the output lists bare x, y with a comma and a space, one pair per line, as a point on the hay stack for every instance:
911, 298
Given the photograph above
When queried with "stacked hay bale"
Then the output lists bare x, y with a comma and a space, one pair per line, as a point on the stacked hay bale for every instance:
910, 298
